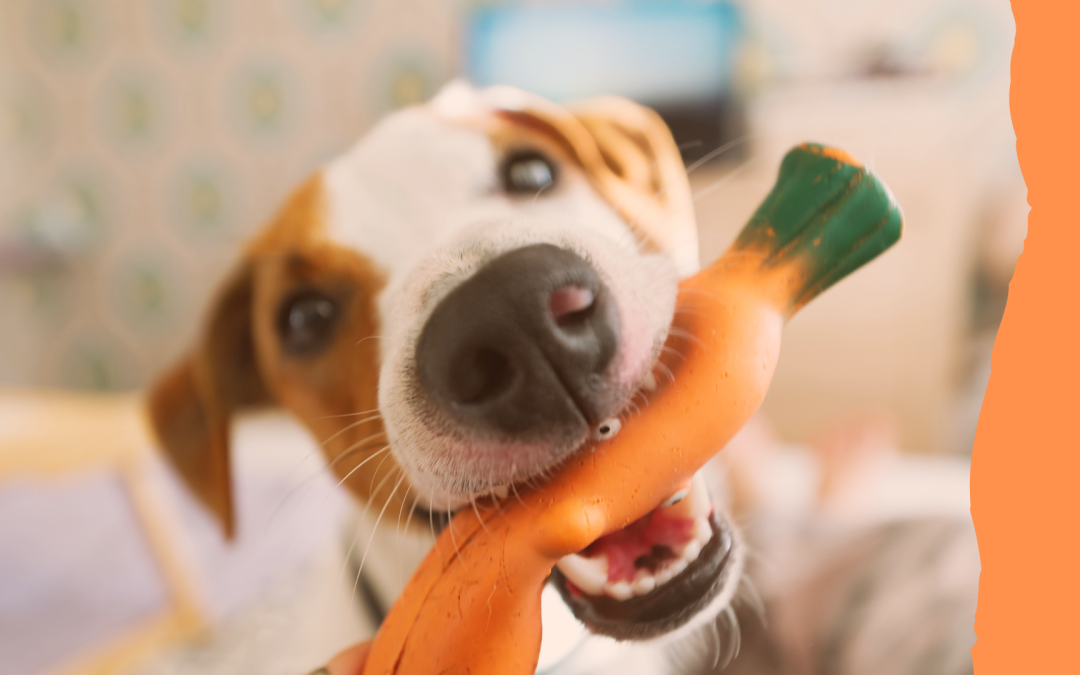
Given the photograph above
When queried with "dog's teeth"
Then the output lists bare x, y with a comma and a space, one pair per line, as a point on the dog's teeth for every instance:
702, 531
588, 574
643, 584
691, 500
695, 503
664, 576
620, 590
675, 498
649, 383
692, 550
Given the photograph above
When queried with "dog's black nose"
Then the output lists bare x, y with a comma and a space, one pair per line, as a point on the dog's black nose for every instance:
522, 345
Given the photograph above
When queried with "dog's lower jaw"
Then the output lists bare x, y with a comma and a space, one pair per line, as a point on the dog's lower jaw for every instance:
448, 471
436, 492
721, 602
687, 566
707, 599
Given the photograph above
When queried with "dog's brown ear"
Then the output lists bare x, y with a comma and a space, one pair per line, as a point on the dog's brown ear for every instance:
192, 404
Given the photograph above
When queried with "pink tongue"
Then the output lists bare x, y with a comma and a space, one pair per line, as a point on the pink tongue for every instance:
637, 539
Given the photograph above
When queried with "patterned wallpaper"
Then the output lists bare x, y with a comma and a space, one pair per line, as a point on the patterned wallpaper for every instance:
141, 141
145, 139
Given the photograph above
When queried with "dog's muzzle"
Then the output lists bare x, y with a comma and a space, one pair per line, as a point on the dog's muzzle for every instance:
521, 349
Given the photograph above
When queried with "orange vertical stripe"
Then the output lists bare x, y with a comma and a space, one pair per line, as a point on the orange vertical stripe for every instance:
1025, 476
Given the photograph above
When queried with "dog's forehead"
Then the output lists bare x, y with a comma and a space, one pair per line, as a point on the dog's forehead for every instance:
390, 194
421, 177
439, 151
623, 149
422, 174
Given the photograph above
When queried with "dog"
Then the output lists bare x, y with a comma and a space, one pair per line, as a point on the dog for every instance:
453, 307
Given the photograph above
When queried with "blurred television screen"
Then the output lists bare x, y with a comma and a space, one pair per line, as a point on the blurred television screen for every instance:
677, 57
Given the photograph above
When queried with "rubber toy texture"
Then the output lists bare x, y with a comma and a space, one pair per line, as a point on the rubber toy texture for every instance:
473, 606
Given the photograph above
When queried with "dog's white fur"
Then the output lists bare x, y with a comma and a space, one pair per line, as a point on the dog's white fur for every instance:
420, 196
408, 214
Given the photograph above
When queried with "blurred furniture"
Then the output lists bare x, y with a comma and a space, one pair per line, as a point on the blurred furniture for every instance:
64, 457
110, 567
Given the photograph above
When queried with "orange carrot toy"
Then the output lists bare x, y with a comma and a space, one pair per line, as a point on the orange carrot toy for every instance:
474, 604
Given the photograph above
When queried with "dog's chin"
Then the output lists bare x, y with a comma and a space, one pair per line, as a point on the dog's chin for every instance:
661, 576
675, 568
449, 466
490, 469
664, 575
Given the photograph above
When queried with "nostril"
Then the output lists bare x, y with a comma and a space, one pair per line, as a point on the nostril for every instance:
482, 377
570, 304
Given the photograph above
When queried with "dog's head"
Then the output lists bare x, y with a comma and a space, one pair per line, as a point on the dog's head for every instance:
454, 305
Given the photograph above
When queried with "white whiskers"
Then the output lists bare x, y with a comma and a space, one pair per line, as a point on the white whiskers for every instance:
307, 482
374, 528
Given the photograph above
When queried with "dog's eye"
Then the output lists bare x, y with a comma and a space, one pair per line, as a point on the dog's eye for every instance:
527, 173
306, 321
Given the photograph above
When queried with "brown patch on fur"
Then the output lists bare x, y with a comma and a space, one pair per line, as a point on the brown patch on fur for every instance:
627, 153
335, 392
239, 362
191, 406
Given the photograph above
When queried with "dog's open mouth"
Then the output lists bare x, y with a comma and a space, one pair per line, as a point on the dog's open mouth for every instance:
654, 575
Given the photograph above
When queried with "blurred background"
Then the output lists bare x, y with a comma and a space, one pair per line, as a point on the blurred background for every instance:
143, 141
